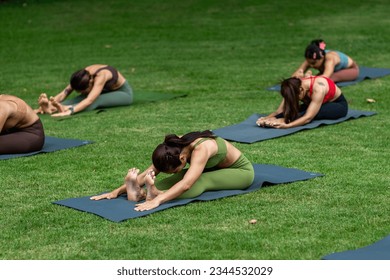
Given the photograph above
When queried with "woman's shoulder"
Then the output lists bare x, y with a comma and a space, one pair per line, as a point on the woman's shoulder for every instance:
95, 68
7, 97
198, 141
8, 103
204, 149
332, 54
203, 143
320, 80
336, 54
321, 84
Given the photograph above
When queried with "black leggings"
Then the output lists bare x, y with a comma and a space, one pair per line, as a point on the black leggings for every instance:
331, 110
22, 140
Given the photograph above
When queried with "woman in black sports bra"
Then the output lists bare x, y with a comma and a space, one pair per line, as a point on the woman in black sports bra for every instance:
99, 85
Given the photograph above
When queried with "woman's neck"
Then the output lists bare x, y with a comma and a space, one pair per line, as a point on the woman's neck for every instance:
186, 152
306, 84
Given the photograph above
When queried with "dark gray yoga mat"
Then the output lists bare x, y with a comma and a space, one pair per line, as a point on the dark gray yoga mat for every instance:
248, 132
380, 250
52, 144
364, 74
146, 96
121, 209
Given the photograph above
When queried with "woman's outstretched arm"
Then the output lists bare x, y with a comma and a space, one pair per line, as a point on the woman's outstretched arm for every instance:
263, 120
199, 159
299, 73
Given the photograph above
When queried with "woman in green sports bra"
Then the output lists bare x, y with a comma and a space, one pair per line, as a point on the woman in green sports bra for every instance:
214, 164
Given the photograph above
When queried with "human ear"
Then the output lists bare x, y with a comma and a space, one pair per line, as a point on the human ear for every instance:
182, 158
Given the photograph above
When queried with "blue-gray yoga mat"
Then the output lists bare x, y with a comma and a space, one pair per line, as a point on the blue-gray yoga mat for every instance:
146, 96
121, 209
52, 144
364, 74
380, 250
248, 132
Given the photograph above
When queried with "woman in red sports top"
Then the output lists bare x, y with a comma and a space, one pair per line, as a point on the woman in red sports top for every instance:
304, 100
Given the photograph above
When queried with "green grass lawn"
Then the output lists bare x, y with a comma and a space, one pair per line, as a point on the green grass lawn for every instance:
222, 54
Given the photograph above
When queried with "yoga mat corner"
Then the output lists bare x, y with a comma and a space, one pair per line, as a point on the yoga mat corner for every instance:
52, 144
379, 250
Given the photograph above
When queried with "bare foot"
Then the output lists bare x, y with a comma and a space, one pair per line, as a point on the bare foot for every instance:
59, 107
300, 74
151, 189
39, 110
134, 191
45, 105
308, 73
275, 122
263, 121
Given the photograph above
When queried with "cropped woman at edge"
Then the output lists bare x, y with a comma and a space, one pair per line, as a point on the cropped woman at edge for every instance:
21, 130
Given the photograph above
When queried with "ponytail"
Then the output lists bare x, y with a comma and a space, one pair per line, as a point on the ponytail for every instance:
166, 156
79, 80
290, 89
315, 50
176, 141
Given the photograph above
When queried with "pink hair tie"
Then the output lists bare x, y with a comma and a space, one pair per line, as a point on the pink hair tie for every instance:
314, 55
322, 45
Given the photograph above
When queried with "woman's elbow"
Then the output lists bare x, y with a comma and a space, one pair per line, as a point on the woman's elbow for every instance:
186, 187
307, 119
88, 102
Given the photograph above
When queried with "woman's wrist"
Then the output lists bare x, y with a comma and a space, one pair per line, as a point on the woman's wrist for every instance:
67, 91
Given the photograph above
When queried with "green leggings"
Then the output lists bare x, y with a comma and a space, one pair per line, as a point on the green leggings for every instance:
120, 97
236, 177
